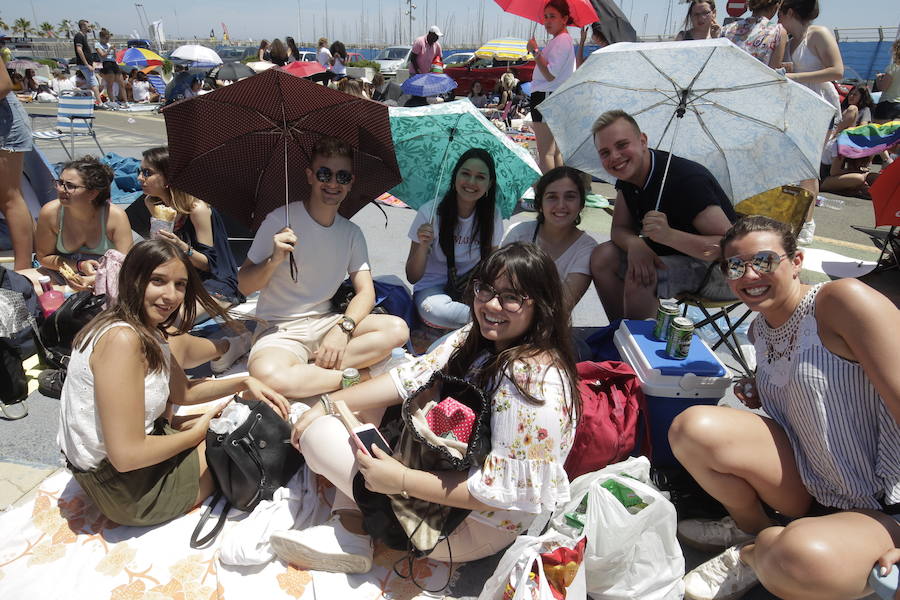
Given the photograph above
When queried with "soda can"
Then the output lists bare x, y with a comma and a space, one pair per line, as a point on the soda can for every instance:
680, 333
666, 311
349, 377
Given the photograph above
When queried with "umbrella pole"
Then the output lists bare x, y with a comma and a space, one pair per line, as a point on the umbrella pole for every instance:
437, 187
679, 113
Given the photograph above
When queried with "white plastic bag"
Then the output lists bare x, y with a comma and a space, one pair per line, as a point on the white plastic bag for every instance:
628, 555
511, 579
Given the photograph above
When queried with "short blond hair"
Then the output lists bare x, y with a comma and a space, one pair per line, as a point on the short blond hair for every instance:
610, 117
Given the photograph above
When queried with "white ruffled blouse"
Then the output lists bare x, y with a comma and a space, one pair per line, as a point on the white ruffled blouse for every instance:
523, 475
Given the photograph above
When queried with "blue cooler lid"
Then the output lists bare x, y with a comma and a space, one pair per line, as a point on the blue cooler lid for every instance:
699, 361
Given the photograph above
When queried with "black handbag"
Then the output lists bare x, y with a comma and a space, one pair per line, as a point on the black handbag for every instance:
248, 464
410, 524
458, 286
59, 329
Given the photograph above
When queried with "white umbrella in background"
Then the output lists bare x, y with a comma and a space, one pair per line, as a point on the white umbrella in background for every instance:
707, 101
260, 65
201, 56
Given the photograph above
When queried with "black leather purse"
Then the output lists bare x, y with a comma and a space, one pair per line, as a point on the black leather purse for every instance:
248, 464
59, 329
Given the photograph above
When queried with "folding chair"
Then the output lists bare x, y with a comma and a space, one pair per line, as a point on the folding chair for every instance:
788, 204
74, 118
158, 84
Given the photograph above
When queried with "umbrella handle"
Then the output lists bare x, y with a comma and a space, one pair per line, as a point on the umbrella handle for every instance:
437, 188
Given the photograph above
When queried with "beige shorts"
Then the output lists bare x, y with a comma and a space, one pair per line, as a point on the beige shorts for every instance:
301, 337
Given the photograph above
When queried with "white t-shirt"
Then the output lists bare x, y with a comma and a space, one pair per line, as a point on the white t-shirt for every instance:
141, 91
576, 258
338, 67
467, 251
59, 86
560, 56
80, 436
324, 256
323, 57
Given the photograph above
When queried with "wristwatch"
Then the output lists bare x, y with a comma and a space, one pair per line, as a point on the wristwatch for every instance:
347, 324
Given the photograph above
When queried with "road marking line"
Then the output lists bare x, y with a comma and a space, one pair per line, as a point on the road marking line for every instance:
846, 244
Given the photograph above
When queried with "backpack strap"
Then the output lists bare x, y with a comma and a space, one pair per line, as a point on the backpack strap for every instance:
200, 542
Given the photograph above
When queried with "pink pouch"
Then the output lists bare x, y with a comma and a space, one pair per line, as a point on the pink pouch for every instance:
107, 279
450, 418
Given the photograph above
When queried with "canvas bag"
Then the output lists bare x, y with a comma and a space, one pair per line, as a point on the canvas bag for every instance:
412, 524
612, 407
628, 555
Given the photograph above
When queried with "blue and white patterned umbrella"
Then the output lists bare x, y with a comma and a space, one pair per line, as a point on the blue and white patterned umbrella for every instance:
749, 125
428, 84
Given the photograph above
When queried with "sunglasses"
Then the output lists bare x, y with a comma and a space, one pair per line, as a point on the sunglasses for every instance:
509, 300
69, 186
343, 177
764, 262
145, 173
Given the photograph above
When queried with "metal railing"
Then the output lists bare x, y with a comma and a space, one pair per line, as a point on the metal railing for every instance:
866, 34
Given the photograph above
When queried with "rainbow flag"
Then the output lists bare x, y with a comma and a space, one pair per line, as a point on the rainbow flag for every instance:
868, 140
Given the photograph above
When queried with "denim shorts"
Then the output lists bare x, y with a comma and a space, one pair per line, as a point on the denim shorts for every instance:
15, 133
88, 72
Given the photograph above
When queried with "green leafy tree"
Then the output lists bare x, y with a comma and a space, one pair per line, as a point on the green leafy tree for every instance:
23, 26
65, 26
46, 29
3, 25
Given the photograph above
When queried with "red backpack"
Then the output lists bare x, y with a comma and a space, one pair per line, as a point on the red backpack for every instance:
612, 403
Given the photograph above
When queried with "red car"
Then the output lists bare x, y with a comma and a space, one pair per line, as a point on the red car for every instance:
488, 74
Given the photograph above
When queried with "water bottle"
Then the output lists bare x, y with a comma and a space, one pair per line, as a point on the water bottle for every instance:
398, 358
50, 299
832, 203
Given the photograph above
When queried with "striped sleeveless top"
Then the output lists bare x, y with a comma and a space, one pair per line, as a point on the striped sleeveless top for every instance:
845, 441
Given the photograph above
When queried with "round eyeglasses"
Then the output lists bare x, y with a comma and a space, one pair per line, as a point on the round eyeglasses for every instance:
509, 300
324, 174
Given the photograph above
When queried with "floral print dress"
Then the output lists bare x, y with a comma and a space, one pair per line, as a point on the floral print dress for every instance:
523, 475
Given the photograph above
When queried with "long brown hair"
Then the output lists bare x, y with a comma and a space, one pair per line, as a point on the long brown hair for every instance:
532, 273
134, 276
158, 158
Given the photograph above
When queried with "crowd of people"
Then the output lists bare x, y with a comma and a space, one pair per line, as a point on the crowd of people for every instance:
812, 489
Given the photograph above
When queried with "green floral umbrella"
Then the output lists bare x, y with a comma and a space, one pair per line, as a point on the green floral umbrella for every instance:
428, 140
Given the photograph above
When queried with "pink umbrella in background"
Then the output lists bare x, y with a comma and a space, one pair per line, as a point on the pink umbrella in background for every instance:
581, 11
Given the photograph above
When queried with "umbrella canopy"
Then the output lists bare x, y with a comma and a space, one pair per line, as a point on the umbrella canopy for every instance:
139, 58
505, 49
428, 84
751, 127
886, 196
581, 11
244, 148
430, 139
614, 25
302, 68
20, 64
259, 66
232, 71
868, 140
199, 55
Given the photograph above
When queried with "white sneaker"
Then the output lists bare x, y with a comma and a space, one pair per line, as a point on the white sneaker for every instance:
237, 347
807, 233
329, 547
711, 535
725, 577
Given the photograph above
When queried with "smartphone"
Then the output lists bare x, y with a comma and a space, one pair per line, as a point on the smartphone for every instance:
366, 435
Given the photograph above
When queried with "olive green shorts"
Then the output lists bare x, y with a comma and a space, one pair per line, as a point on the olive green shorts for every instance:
146, 496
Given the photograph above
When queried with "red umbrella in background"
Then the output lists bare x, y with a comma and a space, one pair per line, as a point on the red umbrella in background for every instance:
885, 194
302, 68
581, 11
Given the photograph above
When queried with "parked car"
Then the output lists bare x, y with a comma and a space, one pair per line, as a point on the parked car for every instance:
458, 58
392, 59
307, 56
487, 72
353, 57
139, 43
230, 53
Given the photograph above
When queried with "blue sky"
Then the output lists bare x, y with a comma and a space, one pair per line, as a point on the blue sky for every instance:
380, 20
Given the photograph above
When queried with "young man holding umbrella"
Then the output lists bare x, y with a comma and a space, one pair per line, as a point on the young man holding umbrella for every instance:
662, 243
306, 347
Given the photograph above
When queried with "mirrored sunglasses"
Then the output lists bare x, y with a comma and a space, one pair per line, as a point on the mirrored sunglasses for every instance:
343, 177
764, 262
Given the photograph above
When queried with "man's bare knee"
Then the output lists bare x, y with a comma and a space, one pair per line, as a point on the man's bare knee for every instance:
605, 259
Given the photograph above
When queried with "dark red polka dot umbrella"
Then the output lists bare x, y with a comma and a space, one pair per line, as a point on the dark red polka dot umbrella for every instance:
245, 148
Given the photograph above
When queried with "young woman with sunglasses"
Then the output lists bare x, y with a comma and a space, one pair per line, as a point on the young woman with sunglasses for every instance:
518, 350
200, 233
79, 226
829, 449
466, 225
122, 381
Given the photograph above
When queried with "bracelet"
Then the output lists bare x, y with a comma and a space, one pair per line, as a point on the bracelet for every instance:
326, 402
403, 491
78, 266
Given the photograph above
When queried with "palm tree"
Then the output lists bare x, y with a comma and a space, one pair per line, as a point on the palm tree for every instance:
22, 25
3, 25
65, 26
47, 29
